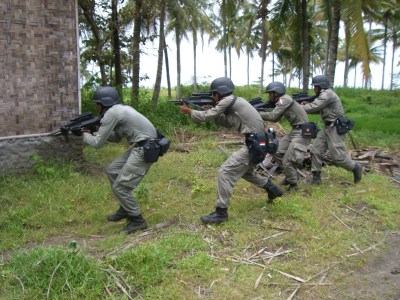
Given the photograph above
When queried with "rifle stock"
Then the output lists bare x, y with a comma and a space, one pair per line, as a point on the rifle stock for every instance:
303, 97
260, 105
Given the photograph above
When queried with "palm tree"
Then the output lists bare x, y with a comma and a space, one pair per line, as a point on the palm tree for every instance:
199, 23
247, 36
161, 46
395, 32
96, 41
390, 17
178, 13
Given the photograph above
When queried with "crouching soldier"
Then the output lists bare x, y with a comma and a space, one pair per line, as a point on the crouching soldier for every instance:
331, 137
293, 146
124, 173
237, 113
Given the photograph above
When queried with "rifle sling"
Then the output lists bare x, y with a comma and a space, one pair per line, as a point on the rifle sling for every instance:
229, 108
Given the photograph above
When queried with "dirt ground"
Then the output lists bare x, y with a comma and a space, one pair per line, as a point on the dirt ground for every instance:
379, 279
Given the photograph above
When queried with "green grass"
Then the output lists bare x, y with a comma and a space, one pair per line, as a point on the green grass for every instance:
56, 243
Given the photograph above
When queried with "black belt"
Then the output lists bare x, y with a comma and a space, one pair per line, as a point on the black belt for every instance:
140, 143
296, 127
328, 123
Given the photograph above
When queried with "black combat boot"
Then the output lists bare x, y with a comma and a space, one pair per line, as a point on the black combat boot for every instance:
118, 216
273, 191
357, 172
316, 177
292, 187
135, 223
285, 182
218, 216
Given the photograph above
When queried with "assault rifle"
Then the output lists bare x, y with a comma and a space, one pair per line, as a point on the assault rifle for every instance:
260, 105
267, 105
303, 97
197, 100
85, 120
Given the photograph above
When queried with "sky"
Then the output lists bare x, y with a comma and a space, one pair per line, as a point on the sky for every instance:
210, 65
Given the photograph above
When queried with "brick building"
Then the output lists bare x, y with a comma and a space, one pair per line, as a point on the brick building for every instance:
39, 79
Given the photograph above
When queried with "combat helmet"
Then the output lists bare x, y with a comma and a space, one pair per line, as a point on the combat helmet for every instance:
322, 81
277, 87
222, 86
106, 96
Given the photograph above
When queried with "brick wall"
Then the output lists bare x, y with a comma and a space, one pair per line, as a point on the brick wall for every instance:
39, 76
39, 65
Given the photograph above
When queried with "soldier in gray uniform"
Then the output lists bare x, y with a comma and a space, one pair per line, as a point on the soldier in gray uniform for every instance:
237, 113
124, 173
292, 147
330, 108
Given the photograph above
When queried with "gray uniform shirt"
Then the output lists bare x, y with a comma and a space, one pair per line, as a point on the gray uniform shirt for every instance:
242, 117
285, 107
118, 122
328, 104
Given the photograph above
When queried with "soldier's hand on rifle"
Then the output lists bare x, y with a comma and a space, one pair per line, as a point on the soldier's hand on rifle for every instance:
184, 109
86, 130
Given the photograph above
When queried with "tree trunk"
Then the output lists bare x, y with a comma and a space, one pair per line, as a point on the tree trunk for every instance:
116, 44
194, 62
394, 46
347, 58
334, 42
384, 54
263, 14
161, 46
88, 9
167, 70
263, 55
273, 66
305, 45
136, 52
225, 55
248, 68
178, 62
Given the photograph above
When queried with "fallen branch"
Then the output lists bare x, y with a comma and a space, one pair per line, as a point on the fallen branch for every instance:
357, 212
365, 250
294, 293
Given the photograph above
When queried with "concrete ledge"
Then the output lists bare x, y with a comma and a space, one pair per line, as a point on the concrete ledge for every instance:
16, 153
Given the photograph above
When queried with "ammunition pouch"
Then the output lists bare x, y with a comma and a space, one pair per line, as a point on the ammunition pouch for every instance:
163, 142
259, 144
343, 125
309, 130
154, 148
151, 151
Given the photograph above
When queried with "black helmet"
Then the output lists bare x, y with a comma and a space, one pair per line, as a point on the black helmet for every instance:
106, 95
222, 86
277, 87
322, 81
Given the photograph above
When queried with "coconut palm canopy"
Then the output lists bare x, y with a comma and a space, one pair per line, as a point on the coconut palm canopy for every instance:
303, 37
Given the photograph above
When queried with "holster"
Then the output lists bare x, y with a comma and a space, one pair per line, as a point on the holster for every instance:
309, 130
259, 144
154, 148
151, 150
343, 125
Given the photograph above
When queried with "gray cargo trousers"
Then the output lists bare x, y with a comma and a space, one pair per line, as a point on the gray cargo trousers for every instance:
329, 139
235, 167
124, 174
291, 152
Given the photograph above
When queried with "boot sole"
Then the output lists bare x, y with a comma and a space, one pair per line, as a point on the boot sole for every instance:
213, 222
126, 231
117, 219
